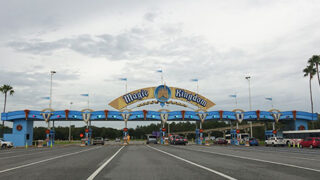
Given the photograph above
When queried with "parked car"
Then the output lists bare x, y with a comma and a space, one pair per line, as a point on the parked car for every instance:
175, 140
311, 142
152, 139
5, 144
253, 142
117, 140
212, 138
98, 140
275, 141
220, 141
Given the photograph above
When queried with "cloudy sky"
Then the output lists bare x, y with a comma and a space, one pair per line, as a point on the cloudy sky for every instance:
91, 44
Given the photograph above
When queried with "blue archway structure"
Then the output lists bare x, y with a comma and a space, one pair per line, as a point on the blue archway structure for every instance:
22, 133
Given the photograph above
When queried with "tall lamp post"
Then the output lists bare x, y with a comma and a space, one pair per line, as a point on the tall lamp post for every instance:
197, 80
70, 124
50, 103
250, 106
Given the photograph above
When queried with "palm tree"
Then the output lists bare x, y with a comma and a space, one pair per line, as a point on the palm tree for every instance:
310, 71
5, 89
315, 61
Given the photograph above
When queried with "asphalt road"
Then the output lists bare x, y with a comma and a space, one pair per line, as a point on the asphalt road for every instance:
160, 162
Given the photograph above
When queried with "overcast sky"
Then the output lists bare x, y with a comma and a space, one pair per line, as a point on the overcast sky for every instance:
91, 44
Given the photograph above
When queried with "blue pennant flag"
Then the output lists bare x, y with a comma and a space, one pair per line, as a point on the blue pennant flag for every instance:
233, 95
159, 70
84, 94
45, 97
269, 99
196, 80
123, 79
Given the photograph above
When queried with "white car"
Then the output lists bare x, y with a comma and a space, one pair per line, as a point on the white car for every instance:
275, 141
5, 144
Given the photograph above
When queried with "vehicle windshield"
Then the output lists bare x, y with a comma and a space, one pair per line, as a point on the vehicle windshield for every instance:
154, 137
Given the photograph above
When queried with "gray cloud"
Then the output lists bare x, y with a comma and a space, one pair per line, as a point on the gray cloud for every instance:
150, 16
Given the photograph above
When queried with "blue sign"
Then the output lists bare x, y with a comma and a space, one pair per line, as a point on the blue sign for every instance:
162, 93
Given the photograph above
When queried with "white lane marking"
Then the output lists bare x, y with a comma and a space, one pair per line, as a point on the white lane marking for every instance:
45, 160
282, 152
93, 175
27, 154
192, 163
20, 155
26, 150
293, 151
254, 159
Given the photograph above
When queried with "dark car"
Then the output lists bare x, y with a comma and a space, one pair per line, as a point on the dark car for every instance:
220, 141
311, 142
178, 140
98, 140
253, 142
152, 139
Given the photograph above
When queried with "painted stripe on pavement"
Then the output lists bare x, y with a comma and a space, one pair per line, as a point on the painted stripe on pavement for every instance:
93, 175
254, 159
45, 160
192, 163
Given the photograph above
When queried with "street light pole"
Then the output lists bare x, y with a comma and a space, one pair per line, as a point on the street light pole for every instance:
250, 106
70, 124
50, 102
51, 74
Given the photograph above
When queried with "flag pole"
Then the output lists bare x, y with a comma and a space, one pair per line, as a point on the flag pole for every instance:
236, 102
88, 100
197, 86
126, 86
161, 76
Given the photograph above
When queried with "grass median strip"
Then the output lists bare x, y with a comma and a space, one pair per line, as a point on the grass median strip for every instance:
192, 163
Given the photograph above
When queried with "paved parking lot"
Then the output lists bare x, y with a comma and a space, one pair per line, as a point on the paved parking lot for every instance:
142, 161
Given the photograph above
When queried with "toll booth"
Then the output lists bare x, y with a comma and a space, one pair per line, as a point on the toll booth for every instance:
88, 133
50, 137
234, 139
162, 135
22, 133
125, 135
199, 137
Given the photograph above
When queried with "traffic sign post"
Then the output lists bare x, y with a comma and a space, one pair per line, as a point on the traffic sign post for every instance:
163, 135
202, 140
198, 141
83, 141
125, 135
50, 134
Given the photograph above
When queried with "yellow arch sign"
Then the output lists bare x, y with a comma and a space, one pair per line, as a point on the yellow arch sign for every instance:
162, 94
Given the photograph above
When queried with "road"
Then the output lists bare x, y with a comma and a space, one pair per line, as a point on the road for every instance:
160, 162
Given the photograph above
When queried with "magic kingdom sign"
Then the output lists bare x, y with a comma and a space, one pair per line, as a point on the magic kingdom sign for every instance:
162, 94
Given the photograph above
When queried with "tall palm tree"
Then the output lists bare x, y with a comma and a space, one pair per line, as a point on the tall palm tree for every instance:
5, 89
310, 71
315, 61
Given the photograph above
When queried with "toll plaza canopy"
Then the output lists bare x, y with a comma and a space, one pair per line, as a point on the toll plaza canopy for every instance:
144, 115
